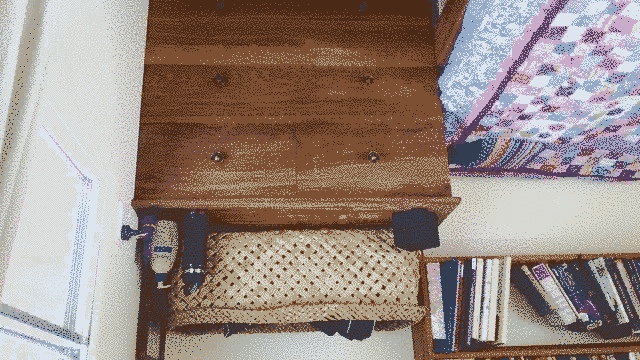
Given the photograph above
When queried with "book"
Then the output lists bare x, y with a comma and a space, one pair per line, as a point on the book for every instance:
626, 280
468, 297
600, 274
577, 294
459, 319
503, 300
436, 307
573, 308
477, 299
450, 276
633, 269
559, 302
493, 299
623, 292
583, 278
531, 290
486, 299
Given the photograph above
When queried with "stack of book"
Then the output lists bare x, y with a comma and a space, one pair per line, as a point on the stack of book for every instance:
600, 294
619, 356
468, 302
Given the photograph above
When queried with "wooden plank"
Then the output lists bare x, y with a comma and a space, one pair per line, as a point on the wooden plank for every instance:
544, 350
310, 53
380, 37
448, 26
324, 8
377, 29
302, 212
175, 161
333, 160
389, 120
384, 35
274, 91
534, 258
421, 332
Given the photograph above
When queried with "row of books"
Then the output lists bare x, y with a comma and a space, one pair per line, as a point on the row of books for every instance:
619, 356
601, 294
468, 302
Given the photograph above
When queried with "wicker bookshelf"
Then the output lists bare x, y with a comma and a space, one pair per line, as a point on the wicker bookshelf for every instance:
423, 339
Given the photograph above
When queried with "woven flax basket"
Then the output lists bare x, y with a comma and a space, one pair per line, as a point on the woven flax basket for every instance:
285, 276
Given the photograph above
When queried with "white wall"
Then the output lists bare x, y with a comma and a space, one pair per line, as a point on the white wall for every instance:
540, 216
496, 216
12, 15
87, 92
91, 97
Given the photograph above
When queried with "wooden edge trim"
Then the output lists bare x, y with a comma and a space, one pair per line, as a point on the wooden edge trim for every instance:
538, 257
544, 350
448, 26
421, 331
301, 212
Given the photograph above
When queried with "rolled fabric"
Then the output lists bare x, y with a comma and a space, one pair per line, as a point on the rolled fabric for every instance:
195, 228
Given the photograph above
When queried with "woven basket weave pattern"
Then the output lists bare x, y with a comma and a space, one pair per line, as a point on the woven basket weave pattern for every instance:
298, 276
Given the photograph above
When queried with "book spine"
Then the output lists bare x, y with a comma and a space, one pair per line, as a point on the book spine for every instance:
634, 274
477, 299
459, 305
468, 294
486, 299
436, 307
531, 290
564, 294
622, 291
596, 300
450, 281
503, 300
586, 309
493, 300
603, 278
459, 309
545, 279
626, 280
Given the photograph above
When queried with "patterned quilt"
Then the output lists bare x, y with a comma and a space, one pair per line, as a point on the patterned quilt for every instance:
555, 88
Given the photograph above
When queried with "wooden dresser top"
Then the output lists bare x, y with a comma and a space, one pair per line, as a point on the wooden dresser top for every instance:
296, 99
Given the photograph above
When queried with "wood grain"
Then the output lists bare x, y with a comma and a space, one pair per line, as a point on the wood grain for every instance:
295, 95
448, 26
407, 8
332, 160
302, 212
543, 350
174, 161
288, 91
421, 332
310, 53
345, 24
